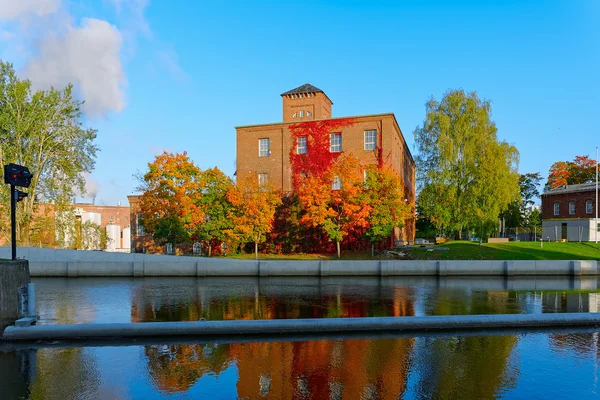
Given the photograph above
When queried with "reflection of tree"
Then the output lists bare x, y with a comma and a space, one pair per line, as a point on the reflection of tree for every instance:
14, 381
175, 368
149, 307
65, 374
474, 367
477, 367
323, 369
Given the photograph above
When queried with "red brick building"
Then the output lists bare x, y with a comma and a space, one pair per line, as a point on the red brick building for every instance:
263, 150
568, 213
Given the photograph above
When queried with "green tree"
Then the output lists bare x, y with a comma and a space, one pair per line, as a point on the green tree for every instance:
42, 130
466, 175
388, 210
215, 206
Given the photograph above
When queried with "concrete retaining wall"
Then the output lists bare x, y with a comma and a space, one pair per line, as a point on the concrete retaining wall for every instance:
301, 326
13, 274
73, 263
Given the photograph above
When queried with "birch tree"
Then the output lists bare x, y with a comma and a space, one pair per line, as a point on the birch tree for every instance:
466, 175
43, 131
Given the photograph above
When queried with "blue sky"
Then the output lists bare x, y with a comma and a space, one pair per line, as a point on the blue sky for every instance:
180, 75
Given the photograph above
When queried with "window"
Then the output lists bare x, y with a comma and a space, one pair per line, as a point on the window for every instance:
301, 147
308, 114
571, 207
263, 179
293, 96
371, 139
335, 143
264, 147
556, 208
139, 228
310, 95
589, 207
301, 113
301, 95
295, 115
336, 184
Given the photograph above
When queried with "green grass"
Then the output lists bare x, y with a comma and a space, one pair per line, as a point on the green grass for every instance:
463, 250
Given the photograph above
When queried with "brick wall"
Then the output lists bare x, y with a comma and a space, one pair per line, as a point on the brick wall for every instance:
318, 104
396, 153
563, 199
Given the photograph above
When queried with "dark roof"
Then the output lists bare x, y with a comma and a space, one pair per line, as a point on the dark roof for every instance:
306, 88
582, 187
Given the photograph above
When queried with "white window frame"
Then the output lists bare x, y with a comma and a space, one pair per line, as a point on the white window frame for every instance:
365, 172
310, 95
302, 149
370, 139
557, 208
301, 113
264, 150
308, 114
572, 208
295, 115
589, 206
263, 178
336, 184
139, 228
335, 147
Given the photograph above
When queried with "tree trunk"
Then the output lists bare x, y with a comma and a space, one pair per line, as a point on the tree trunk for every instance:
338, 249
256, 249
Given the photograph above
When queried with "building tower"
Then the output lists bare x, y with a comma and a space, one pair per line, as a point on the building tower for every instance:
305, 103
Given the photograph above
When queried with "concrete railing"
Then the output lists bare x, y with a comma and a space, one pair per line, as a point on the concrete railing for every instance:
301, 326
72, 263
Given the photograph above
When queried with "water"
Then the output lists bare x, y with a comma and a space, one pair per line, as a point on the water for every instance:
496, 365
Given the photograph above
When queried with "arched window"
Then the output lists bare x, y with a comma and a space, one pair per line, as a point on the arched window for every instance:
556, 208
589, 207
571, 208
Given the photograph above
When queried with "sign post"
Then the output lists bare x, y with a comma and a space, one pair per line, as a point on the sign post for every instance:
16, 175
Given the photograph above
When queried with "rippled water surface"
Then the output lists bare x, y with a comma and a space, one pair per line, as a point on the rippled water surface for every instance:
532, 365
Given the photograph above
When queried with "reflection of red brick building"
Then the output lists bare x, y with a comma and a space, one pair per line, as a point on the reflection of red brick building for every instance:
263, 150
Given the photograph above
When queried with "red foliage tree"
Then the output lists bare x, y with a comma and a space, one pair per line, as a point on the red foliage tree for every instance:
581, 170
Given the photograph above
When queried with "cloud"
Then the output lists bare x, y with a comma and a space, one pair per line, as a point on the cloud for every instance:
88, 57
13, 9
91, 188
131, 13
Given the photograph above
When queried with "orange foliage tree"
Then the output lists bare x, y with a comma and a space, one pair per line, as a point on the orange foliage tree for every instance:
334, 200
252, 211
581, 170
170, 201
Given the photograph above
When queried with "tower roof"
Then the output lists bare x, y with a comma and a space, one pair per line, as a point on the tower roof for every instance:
306, 88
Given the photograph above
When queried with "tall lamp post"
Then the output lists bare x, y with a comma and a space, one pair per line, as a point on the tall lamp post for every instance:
596, 220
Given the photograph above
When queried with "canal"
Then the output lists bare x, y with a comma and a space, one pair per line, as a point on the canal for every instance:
466, 366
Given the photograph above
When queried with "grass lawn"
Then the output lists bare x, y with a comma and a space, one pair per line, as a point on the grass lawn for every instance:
464, 250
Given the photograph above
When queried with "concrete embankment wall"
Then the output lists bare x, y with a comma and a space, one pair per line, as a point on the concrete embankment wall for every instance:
13, 274
72, 263
301, 326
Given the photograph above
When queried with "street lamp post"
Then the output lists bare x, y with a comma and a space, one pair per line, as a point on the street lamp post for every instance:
596, 220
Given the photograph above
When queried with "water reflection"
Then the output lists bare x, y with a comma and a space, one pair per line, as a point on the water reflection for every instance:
533, 365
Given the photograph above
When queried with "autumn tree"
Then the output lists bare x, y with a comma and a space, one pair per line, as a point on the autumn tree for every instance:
384, 194
581, 170
466, 175
253, 211
215, 206
42, 130
170, 201
334, 201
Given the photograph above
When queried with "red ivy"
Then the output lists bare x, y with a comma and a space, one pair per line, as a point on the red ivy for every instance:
318, 159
